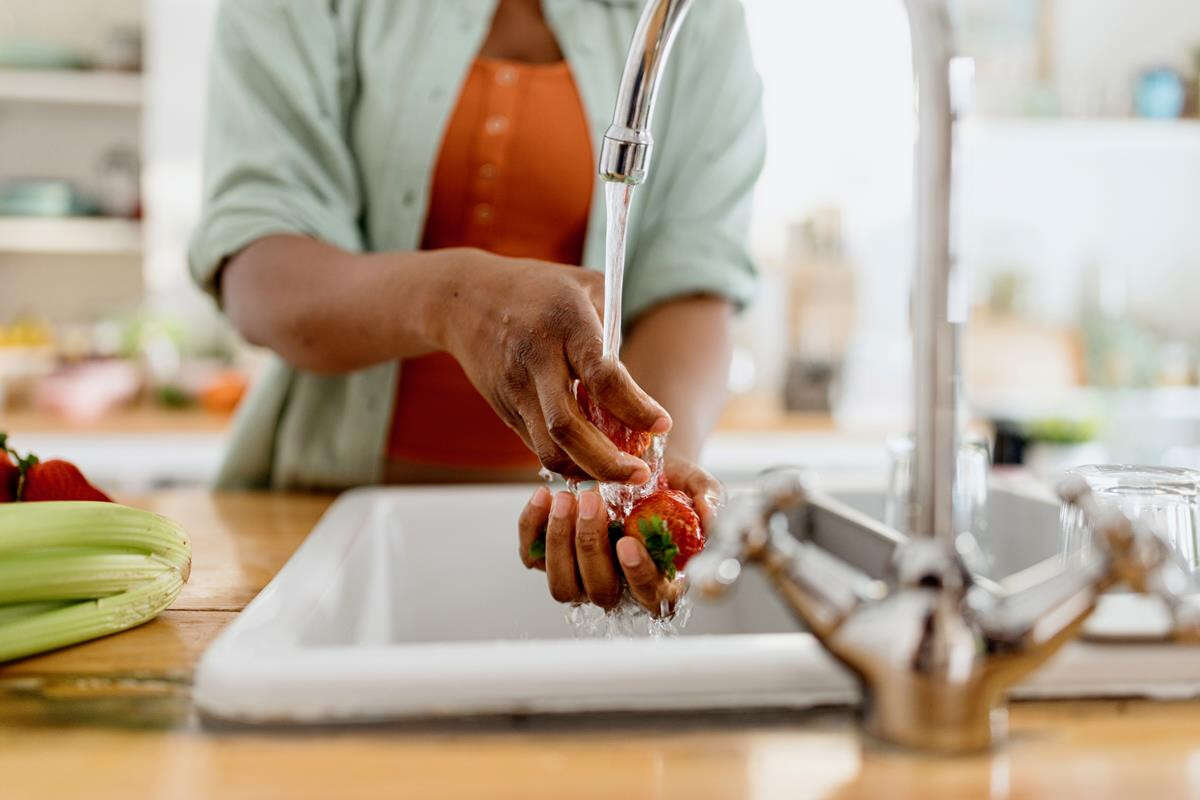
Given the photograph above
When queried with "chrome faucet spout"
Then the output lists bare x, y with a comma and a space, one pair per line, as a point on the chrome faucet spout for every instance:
625, 151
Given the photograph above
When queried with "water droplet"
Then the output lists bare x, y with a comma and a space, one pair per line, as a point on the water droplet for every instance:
628, 620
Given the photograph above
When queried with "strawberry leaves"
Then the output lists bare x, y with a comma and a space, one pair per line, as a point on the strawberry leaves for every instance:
659, 544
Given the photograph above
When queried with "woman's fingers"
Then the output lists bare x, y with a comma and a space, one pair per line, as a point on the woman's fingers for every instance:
553, 457
707, 493
531, 529
560, 550
649, 587
594, 552
578, 438
613, 387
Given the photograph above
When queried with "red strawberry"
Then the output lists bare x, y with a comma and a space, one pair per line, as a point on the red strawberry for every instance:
10, 473
57, 480
624, 437
667, 524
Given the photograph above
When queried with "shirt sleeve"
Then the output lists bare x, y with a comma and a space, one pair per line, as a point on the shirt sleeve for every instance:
276, 155
697, 205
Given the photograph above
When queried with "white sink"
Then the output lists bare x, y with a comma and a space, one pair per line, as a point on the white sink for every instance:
412, 602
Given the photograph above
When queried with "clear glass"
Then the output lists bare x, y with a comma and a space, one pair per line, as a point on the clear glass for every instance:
1164, 499
970, 497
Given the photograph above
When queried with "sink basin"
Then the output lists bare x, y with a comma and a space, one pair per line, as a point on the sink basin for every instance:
410, 602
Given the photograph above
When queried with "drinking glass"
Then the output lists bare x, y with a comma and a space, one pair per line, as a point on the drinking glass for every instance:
970, 497
1163, 499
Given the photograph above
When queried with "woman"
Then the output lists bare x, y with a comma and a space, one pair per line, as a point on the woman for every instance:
393, 189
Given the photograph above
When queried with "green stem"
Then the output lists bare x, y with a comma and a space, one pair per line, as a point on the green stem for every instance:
80, 523
51, 576
88, 619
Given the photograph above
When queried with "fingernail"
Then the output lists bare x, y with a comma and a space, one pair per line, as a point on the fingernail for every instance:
629, 553
640, 475
661, 425
541, 498
589, 505
562, 505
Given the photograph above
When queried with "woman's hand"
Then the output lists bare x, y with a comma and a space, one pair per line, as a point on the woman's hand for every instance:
578, 555
523, 331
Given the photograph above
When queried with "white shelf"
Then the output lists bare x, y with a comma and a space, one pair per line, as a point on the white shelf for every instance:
1083, 132
71, 87
90, 235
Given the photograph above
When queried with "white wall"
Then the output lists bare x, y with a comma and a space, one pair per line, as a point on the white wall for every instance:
179, 37
839, 111
1048, 201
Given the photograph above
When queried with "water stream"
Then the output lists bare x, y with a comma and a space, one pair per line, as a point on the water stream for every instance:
628, 618
617, 197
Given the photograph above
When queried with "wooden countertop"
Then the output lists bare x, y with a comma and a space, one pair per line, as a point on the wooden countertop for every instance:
113, 718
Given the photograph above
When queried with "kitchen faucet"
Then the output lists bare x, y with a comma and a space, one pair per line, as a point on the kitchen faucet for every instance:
934, 648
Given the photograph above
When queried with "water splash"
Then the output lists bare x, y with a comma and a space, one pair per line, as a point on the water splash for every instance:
621, 497
627, 620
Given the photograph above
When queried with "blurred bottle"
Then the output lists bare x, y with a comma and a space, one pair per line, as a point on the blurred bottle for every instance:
1160, 93
120, 183
1175, 361
1118, 352
820, 310
122, 49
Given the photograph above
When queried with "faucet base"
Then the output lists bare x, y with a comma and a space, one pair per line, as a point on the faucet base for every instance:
923, 725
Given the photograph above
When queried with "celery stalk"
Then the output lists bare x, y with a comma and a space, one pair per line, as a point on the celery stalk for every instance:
21, 610
48, 576
77, 523
71, 571
88, 619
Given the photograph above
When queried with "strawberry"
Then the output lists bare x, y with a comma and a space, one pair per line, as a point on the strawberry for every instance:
624, 437
667, 524
10, 473
56, 480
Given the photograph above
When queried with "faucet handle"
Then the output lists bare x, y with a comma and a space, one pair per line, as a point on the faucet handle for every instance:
738, 536
743, 530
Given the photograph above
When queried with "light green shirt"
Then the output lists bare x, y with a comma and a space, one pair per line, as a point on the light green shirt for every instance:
325, 119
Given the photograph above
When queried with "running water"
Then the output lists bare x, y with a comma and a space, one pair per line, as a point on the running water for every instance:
617, 196
628, 618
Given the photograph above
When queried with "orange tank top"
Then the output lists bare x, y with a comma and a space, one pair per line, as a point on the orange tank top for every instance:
514, 177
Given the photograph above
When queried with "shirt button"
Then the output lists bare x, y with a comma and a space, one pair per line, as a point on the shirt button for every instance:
487, 171
496, 125
483, 212
506, 76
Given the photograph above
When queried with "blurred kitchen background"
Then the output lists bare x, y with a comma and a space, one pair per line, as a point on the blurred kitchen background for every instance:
1077, 217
